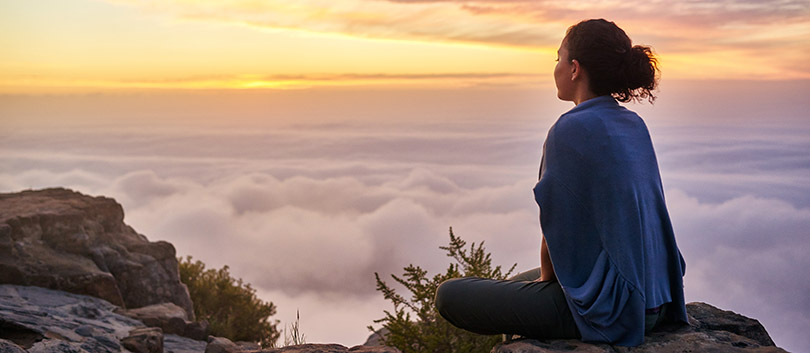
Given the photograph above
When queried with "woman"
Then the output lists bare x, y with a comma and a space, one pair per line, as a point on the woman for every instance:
610, 268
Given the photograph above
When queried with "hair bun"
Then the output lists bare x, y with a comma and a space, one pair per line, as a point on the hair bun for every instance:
643, 68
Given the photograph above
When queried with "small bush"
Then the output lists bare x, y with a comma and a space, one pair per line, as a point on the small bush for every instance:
229, 305
427, 331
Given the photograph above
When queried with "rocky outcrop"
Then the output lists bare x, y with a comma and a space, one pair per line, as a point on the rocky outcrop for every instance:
61, 239
44, 320
710, 330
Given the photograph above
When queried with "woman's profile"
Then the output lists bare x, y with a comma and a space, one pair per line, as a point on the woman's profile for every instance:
610, 267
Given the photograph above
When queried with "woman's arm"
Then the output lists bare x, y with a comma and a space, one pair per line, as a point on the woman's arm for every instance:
546, 268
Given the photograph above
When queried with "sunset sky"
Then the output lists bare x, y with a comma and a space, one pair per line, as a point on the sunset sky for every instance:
310, 143
86, 45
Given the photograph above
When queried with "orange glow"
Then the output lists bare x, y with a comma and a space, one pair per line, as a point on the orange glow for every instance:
89, 45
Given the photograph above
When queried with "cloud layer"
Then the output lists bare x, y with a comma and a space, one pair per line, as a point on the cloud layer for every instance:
308, 212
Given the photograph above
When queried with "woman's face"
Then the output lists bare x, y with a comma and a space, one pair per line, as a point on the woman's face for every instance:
563, 74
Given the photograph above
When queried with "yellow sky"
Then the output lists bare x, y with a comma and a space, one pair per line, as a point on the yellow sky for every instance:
91, 45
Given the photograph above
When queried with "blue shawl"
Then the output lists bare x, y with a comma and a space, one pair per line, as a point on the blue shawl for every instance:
606, 224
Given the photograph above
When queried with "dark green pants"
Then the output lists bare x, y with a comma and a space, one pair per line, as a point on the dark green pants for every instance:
516, 306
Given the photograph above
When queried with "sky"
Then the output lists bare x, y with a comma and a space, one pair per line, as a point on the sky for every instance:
310, 144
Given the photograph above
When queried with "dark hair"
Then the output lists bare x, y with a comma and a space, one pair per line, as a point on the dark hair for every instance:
614, 65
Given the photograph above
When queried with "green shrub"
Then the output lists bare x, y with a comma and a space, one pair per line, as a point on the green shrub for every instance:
426, 331
229, 305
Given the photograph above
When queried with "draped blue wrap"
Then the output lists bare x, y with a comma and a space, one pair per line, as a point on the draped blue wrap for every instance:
605, 220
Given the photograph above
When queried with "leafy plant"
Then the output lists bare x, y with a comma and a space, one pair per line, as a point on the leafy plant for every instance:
415, 325
229, 305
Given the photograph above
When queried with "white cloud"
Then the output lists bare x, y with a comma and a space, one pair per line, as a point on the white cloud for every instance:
43, 178
308, 214
747, 254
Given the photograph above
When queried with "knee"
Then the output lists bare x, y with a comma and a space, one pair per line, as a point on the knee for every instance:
446, 294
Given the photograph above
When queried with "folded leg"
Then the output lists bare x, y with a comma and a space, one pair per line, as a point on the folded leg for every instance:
526, 308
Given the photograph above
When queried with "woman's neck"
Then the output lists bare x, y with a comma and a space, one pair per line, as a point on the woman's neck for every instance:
583, 94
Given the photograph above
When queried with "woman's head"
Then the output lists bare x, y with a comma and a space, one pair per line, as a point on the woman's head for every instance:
613, 65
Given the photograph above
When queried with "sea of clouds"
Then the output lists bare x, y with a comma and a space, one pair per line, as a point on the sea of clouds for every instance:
308, 212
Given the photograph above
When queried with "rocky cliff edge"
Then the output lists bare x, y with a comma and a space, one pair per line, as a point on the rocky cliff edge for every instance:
64, 240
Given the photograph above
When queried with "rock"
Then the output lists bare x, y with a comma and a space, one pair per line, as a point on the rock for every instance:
197, 330
58, 346
144, 340
43, 320
9, 347
177, 344
167, 316
248, 346
221, 345
710, 330
711, 318
61, 239
376, 338
331, 348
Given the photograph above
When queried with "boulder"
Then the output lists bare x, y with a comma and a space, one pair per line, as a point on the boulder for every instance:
144, 340
170, 318
167, 316
710, 330
64, 240
221, 345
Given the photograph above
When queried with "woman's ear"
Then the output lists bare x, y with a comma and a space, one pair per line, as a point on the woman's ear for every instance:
576, 70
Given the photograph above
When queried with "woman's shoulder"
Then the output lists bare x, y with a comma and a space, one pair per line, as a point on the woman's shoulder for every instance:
596, 116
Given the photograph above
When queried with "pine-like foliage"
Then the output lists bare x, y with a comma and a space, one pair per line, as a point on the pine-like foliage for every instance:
415, 326
229, 305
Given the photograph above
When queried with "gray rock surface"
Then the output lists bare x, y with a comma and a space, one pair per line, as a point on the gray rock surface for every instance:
178, 344
167, 316
144, 340
9, 347
710, 330
44, 320
61, 239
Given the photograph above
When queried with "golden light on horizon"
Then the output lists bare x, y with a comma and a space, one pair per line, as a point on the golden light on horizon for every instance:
90, 45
